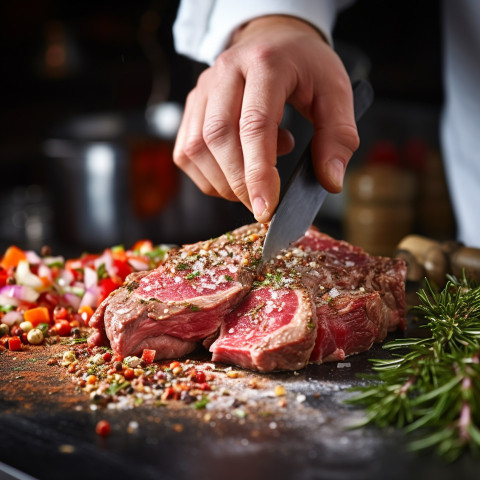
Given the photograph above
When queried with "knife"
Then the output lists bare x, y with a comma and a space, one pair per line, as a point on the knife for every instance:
303, 195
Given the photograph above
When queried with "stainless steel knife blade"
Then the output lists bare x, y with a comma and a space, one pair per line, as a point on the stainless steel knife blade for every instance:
303, 195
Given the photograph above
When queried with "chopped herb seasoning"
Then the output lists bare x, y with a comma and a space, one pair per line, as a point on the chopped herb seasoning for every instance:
193, 275
132, 286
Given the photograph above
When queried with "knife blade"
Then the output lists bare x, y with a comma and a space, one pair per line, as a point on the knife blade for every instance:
303, 195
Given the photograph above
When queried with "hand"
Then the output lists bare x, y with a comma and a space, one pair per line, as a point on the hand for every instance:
230, 137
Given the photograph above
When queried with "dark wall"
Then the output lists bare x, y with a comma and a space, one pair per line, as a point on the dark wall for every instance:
116, 51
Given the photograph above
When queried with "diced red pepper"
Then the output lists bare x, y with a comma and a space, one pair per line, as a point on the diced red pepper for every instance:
204, 386
88, 258
3, 277
106, 286
129, 374
107, 356
14, 343
122, 268
148, 356
199, 377
170, 394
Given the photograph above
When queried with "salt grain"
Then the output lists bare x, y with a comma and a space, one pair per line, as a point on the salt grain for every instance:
334, 292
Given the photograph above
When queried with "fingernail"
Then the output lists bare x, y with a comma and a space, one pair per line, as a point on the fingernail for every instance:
259, 208
336, 171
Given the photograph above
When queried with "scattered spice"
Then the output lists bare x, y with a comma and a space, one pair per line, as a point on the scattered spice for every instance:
103, 428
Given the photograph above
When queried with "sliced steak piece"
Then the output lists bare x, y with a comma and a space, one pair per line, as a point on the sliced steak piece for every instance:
349, 322
336, 263
185, 299
272, 329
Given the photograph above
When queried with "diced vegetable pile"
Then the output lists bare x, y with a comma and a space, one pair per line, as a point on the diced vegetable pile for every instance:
46, 296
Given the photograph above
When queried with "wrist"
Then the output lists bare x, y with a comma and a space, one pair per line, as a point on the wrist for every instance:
284, 22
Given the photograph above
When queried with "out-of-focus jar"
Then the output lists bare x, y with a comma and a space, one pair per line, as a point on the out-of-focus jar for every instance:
380, 207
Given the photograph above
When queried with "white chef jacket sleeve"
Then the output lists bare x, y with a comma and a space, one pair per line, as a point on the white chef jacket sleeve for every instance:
203, 28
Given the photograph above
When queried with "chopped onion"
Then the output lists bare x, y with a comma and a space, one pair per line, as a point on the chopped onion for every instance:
44, 271
76, 289
20, 292
58, 260
24, 276
13, 317
6, 301
72, 300
65, 278
32, 257
107, 259
90, 277
90, 298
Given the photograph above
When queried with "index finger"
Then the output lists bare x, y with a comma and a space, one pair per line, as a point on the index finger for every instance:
261, 114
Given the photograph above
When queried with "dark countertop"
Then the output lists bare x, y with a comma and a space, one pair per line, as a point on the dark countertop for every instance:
47, 430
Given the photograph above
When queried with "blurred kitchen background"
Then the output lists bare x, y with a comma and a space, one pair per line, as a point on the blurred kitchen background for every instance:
92, 94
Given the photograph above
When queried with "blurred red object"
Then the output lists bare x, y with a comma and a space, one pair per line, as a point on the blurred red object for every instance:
154, 177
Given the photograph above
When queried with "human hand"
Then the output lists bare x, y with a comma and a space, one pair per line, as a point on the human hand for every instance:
230, 135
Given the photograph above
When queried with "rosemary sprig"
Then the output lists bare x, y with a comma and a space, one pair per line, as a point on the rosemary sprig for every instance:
431, 386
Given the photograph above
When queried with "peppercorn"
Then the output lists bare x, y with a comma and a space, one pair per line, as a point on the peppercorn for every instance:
26, 326
76, 332
103, 428
4, 329
35, 336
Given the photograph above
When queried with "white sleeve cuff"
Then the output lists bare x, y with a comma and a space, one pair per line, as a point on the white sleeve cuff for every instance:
203, 29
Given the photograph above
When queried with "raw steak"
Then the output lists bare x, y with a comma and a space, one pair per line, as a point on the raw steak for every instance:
348, 322
183, 301
336, 263
272, 329
320, 300
357, 299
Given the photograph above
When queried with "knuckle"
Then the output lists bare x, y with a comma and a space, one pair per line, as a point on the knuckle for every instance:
261, 174
224, 61
239, 188
254, 122
216, 130
179, 159
193, 146
264, 54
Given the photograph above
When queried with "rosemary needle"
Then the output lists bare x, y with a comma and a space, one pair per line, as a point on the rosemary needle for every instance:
430, 387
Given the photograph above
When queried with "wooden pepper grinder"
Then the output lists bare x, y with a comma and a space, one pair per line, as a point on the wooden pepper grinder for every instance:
380, 209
